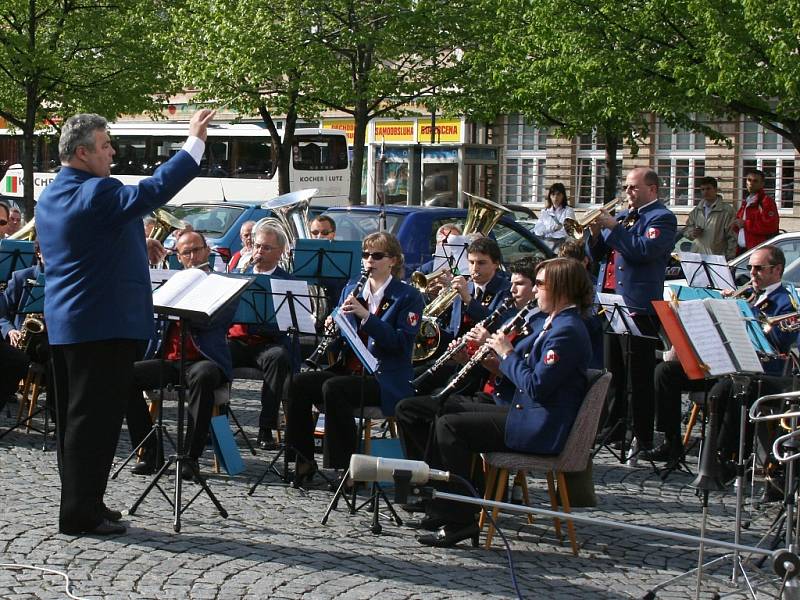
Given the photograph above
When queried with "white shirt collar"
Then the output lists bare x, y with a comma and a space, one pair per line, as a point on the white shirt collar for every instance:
270, 272
766, 292
375, 298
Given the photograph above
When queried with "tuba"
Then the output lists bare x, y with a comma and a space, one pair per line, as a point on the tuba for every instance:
27, 233
166, 223
482, 216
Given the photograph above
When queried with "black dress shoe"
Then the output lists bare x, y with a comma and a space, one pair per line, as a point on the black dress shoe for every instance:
669, 451
187, 473
109, 514
265, 440
449, 535
144, 467
303, 473
106, 527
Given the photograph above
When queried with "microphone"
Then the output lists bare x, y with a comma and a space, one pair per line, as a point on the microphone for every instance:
375, 468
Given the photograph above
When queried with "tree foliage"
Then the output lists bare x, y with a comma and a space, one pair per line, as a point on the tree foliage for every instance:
58, 57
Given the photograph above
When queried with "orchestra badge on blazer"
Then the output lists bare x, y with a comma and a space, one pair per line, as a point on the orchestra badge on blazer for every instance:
551, 357
412, 319
652, 233
487, 299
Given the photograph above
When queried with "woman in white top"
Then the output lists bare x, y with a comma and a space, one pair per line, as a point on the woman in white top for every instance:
550, 226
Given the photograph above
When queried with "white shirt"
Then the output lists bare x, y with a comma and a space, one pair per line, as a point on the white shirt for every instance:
195, 147
762, 297
751, 199
270, 272
375, 298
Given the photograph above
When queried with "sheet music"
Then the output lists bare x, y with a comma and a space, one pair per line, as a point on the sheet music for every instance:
696, 275
620, 318
730, 322
705, 338
302, 305
193, 290
351, 335
455, 249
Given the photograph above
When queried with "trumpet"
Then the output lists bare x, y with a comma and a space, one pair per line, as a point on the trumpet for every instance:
329, 335
576, 227
489, 322
745, 292
514, 326
787, 322
424, 282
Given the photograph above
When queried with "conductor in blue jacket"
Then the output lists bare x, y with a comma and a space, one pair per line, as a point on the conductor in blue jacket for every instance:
550, 384
634, 249
386, 315
98, 301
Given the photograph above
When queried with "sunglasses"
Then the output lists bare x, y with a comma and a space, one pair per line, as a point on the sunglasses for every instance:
758, 268
3, 222
374, 255
323, 232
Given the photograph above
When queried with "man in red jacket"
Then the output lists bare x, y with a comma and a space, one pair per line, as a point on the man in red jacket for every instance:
757, 219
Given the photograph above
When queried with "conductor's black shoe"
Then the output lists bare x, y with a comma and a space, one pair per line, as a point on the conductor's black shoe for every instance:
449, 535
265, 440
104, 527
187, 473
110, 514
669, 451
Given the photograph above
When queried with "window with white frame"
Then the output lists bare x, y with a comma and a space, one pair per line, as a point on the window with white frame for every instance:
680, 164
591, 170
767, 151
524, 161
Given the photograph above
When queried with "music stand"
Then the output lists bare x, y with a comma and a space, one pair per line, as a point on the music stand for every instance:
706, 270
620, 322
453, 254
185, 318
15, 255
284, 304
370, 366
317, 261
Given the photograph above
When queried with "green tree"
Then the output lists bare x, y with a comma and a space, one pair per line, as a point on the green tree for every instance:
379, 55
252, 56
62, 56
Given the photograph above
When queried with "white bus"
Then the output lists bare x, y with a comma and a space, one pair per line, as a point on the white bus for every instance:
239, 162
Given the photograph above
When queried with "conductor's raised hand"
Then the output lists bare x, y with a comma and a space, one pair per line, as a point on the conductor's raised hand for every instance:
198, 125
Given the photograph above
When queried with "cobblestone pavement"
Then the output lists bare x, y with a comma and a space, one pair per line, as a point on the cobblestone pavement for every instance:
273, 546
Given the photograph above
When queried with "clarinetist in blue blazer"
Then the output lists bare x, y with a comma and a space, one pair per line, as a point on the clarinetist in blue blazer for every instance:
386, 315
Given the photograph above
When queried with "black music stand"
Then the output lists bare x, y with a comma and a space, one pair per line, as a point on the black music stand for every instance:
294, 315
317, 261
180, 458
377, 492
712, 271
620, 322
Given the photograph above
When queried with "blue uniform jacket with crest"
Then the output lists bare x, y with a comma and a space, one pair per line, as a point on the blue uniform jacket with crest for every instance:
391, 339
90, 233
778, 302
551, 384
16, 295
497, 289
643, 251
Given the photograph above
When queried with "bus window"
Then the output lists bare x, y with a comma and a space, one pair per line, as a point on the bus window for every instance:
217, 159
251, 158
317, 153
130, 157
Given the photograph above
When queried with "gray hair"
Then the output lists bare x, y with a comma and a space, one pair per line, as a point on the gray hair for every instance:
79, 131
280, 237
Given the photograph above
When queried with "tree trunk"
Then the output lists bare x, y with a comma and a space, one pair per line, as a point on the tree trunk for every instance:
610, 181
361, 118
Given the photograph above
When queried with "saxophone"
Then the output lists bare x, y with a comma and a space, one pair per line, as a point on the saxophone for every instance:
33, 325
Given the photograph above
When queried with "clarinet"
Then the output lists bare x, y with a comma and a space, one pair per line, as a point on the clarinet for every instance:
488, 323
515, 325
329, 335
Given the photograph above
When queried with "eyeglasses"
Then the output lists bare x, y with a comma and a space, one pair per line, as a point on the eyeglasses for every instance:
758, 268
539, 283
265, 247
374, 255
634, 188
189, 251
323, 232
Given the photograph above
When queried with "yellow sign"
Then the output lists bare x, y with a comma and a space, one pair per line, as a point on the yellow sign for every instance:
394, 131
446, 131
346, 125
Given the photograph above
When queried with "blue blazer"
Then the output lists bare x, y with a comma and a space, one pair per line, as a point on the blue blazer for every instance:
778, 302
391, 339
643, 252
551, 384
497, 290
15, 296
504, 388
90, 233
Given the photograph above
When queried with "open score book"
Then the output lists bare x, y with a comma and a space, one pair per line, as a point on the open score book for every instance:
195, 293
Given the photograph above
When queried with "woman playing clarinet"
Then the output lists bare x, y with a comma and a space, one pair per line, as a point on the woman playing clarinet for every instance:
386, 313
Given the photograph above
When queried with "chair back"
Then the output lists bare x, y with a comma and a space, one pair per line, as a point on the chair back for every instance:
576, 451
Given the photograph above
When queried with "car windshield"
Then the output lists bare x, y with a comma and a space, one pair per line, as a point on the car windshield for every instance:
353, 225
212, 220
791, 250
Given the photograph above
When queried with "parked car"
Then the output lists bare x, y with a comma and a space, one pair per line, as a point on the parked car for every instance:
415, 228
220, 222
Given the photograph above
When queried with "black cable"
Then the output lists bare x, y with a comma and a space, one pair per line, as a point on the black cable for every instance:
467, 484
